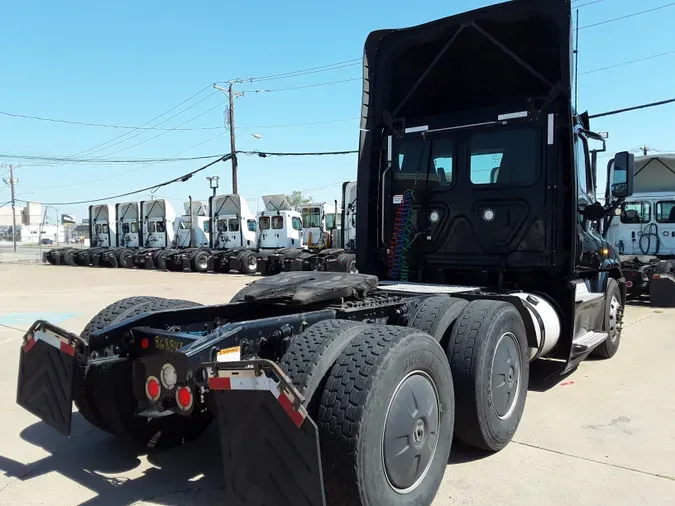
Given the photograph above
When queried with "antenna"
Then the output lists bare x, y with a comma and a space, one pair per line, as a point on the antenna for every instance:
576, 66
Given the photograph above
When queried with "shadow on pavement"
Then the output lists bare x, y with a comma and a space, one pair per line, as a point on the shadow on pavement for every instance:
90, 457
185, 475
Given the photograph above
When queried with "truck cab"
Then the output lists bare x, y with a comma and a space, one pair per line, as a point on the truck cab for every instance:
102, 226
347, 223
645, 223
128, 224
202, 226
234, 224
279, 225
319, 224
158, 217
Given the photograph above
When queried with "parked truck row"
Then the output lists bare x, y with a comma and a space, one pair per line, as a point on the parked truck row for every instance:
643, 231
221, 235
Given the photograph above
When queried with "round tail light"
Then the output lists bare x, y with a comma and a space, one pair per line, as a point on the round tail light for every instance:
629, 284
184, 398
152, 388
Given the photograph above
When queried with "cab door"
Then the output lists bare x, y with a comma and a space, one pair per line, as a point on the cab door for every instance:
665, 223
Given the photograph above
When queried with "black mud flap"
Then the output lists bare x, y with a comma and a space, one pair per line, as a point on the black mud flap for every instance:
46, 374
270, 446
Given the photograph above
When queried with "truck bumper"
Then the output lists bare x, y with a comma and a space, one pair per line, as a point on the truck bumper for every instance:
47, 369
286, 462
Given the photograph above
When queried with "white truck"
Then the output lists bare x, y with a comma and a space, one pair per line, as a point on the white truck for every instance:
128, 239
643, 228
190, 247
279, 233
102, 233
157, 233
234, 239
329, 231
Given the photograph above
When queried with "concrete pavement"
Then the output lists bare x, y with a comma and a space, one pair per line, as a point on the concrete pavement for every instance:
603, 435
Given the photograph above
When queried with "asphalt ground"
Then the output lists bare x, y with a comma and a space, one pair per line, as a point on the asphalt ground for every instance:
604, 434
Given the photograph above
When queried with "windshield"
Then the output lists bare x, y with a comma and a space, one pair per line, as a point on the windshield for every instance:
311, 217
330, 221
665, 211
277, 222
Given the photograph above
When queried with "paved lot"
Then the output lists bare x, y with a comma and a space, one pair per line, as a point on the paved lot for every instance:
603, 435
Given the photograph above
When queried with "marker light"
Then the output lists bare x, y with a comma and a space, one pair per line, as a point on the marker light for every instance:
152, 388
184, 398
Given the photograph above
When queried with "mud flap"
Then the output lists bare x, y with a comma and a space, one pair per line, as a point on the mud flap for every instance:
270, 446
46, 375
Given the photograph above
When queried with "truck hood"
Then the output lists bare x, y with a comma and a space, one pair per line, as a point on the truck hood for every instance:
495, 56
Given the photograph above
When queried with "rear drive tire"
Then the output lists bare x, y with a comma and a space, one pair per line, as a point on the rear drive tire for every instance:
249, 262
125, 258
613, 322
311, 355
69, 257
373, 449
436, 315
200, 261
108, 389
488, 354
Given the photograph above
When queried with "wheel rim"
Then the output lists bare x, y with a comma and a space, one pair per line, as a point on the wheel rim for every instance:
505, 373
203, 262
252, 263
410, 433
614, 311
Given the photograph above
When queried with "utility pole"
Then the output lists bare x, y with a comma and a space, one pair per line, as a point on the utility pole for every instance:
233, 149
230, 120
11, 182
644, 150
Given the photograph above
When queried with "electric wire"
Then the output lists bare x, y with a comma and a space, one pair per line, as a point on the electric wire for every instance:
102, 125
627, 16
304, 87
622, 64
182, 178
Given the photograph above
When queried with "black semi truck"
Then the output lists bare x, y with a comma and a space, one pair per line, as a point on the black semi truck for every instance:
477, 253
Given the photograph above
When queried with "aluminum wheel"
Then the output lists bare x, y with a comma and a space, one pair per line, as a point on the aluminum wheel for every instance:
505, 375
410, 432
614, 316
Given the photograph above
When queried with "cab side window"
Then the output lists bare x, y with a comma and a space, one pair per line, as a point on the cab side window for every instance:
584, 178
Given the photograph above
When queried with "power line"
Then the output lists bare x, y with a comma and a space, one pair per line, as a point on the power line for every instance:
135, 169
161, 133
66, 159
160, 123
584, 5
627, 16
100, 125
265, 154
96, 148
329, 83
634, 108
302, 72
651, 57
155, 187
300, 124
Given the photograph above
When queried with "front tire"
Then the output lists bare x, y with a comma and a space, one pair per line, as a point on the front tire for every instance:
376, 448
488, 354
249, 262
613, 322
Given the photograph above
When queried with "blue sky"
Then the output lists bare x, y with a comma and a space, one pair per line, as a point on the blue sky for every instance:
126, 62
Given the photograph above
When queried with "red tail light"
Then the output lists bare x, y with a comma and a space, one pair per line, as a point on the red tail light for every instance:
629, 284
152, 388
184, 398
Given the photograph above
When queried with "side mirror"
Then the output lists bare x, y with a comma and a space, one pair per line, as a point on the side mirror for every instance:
622, 175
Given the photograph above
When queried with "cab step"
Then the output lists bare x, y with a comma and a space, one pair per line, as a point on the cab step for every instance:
587, 341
